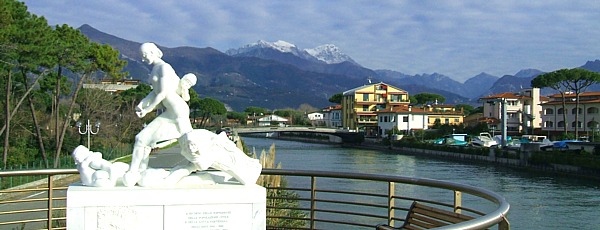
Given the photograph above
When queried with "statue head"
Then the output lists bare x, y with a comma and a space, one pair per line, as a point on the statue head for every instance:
150, 52
80, 153
188, 80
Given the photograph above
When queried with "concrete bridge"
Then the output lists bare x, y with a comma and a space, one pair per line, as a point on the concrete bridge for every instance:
347, 136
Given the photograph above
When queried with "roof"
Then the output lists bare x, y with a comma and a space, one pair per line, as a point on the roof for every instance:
573, 102
402, 109
332, 107
573, 95
505, 95
353, 91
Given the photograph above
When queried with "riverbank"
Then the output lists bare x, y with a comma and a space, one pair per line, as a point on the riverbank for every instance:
522, 162
492, 158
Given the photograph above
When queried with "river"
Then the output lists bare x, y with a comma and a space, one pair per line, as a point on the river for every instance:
538, 200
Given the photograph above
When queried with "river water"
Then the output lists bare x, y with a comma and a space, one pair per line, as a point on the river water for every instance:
538, 200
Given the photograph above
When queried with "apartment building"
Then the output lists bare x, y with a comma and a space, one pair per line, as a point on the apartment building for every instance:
588, 114
523, 111
361, 104
443, 114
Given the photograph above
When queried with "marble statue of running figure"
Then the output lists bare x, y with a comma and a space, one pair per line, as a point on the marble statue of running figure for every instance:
167, 94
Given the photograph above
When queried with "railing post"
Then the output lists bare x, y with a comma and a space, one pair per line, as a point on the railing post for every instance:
391, 204
457, 201
313, 203
50, 197
504, 224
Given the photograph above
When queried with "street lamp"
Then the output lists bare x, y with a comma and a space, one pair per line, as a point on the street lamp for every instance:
88, 130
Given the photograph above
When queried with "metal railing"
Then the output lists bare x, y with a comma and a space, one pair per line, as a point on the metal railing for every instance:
317, 200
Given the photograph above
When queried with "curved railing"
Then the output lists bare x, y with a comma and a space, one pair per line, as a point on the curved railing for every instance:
317, 200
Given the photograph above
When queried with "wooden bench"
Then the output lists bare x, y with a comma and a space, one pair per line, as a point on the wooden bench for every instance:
421, 216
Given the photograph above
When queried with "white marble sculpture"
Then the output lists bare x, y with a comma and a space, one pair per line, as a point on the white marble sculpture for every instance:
95, 171
201, 148
204, 149
168, 93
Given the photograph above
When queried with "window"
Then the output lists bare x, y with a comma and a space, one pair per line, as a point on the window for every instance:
561, 124
592, 110
578, 124
456, 120
549, 124
365, 97
573, 111
549, 111
386, 119
447, 121
560, 111
395, 98
404, 118
365, 108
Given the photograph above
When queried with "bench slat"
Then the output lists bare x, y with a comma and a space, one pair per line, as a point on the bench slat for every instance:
422, 216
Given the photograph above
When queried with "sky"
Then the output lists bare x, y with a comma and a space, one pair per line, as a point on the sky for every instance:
456, 38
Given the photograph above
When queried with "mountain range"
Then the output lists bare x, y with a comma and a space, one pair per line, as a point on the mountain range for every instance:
277, 75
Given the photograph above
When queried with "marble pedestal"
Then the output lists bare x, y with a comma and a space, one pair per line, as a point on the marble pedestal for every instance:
219, 206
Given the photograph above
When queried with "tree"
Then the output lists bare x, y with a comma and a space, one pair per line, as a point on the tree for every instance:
467, 109
578, 80
23, 50
129, 123
194, 104
209, 107
255, 111
424, 98
306, 108
98, 58
554, 80
575, 80
336, 98
237, 116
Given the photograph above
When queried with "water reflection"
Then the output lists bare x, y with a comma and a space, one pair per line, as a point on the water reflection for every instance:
538, 200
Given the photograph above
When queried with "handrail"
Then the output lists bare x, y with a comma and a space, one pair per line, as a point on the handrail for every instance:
490, 219
315, 204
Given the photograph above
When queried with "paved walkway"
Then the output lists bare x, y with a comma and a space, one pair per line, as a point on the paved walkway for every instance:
166, 158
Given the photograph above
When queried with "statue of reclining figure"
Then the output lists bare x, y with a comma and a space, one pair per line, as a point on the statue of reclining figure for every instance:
204, 149
95, 171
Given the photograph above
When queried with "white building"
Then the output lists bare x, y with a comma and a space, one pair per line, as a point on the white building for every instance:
524, 110
332, 116
316, 119
272, 120
405, 119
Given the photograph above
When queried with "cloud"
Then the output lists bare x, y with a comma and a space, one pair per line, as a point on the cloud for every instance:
456, 38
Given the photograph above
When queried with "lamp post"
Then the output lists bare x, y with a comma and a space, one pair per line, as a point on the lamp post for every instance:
88, 130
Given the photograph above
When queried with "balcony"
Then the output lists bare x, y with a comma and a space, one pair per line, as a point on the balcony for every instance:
322, 201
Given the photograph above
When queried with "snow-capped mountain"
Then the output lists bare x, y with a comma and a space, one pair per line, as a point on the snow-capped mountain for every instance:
281, 46
330, 54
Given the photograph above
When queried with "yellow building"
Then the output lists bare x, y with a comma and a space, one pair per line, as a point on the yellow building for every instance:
360, 104
445, 114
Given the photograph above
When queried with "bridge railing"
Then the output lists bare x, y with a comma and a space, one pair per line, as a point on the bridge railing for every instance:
325, 200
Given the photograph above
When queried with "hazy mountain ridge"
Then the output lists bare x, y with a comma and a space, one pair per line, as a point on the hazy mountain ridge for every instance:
279, 75
239, 82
